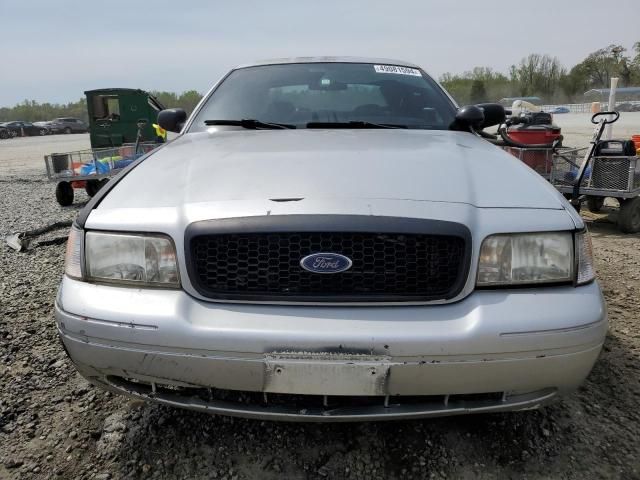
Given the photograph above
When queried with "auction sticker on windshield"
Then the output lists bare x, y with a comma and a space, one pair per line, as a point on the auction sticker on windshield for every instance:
397, 70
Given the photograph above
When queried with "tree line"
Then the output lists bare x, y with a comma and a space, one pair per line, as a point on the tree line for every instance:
536, 75
545, 77
32, 111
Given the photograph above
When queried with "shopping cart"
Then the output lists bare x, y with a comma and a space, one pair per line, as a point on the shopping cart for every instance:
90, 169
604, 176
539, 159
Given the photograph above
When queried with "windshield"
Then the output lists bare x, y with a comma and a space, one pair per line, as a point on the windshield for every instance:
304, 94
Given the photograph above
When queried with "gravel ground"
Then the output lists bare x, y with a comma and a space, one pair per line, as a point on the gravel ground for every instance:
20, 156
53, 424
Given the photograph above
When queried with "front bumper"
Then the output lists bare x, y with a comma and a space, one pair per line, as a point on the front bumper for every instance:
492, 351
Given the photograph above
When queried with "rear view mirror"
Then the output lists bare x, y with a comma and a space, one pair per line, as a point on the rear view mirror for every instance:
172, 119
327, 85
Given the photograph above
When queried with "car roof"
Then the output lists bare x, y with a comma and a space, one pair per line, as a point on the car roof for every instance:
377, 61
114, 90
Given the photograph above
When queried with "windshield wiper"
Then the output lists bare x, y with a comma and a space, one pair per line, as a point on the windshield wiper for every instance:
250, 123
353, 124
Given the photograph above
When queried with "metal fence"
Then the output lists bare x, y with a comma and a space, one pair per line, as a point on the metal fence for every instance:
583, 107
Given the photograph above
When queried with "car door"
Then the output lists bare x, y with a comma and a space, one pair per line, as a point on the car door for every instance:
20, 128
69, 123
15, 127
30, 129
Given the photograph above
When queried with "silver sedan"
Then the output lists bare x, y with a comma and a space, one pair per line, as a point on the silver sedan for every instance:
328, 239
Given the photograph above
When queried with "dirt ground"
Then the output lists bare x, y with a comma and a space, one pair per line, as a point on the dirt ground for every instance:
53, 424
577, 129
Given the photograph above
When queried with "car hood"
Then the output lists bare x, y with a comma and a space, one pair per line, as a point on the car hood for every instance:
414, 165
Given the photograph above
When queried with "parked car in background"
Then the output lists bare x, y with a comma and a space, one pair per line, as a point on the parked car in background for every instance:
69, 125
51, 128
560, 110
627, 107
19, 128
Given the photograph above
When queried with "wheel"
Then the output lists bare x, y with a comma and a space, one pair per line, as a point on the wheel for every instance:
4, 134
13, 133
64, 194
629, 217
42, 132
92, 186
595, 203
67, 130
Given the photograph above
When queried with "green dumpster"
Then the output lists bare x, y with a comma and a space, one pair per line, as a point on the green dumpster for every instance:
114, 114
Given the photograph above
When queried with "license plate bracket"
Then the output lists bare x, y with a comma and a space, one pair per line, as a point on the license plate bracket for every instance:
326, 374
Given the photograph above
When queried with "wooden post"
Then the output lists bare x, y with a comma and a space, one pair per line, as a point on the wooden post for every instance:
612, 104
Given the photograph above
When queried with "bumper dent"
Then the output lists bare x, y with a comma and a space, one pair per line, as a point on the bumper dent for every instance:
527, 347
96, 358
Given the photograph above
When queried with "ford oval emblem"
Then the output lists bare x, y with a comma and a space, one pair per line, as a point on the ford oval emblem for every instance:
326, 263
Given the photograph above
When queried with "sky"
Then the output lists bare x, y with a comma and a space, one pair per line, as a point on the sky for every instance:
55, 50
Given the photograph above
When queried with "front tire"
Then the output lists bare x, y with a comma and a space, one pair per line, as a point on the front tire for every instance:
629, 217
42, 132
67, 130
64, 194
595, 204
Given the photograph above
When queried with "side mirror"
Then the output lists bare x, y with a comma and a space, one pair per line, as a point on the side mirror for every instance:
172, 119
478, 117
494, 114
469, 117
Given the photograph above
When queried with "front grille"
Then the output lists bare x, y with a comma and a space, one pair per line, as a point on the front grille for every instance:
386, 266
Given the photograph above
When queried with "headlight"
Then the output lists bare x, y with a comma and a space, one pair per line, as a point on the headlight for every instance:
136, 259
526, 258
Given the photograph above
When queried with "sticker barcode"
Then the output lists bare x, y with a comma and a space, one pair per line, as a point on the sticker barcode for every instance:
397, 70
